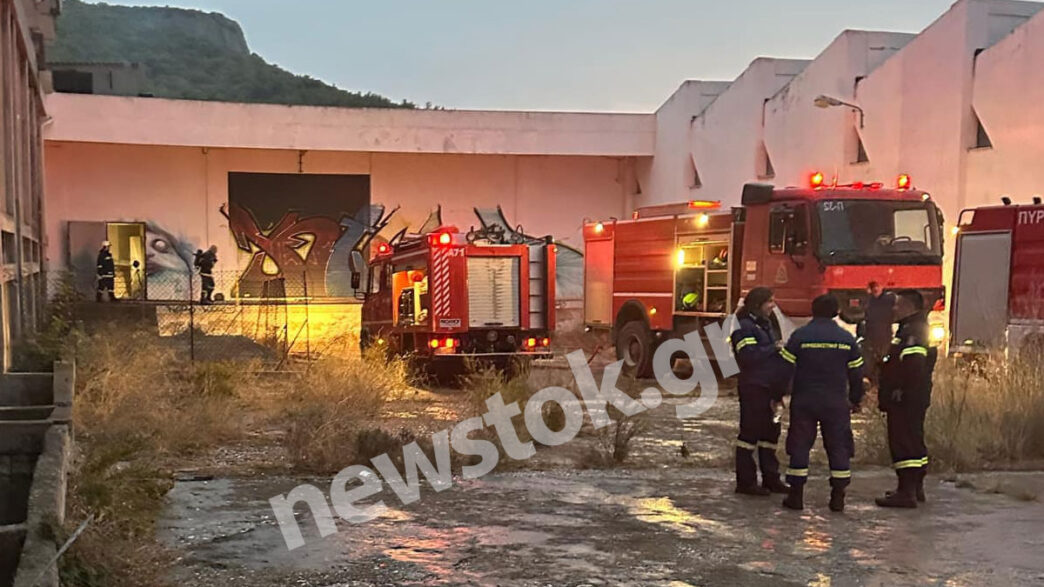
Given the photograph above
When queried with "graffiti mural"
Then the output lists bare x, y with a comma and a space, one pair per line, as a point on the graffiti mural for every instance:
168, 263
296, 228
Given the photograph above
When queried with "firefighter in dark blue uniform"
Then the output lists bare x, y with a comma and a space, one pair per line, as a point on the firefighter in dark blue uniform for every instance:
827, 368
106, 273
904, 395
755, 344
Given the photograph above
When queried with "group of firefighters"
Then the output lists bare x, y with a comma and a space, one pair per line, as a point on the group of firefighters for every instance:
106, 273
822, 367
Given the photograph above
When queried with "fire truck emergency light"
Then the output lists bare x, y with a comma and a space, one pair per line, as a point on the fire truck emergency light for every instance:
903, 182
817, 179
531, 342
704, 204
599, 228
383, 248
702, 220
444, 238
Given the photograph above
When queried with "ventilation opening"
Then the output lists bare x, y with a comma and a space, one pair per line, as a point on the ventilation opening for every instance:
982, 139
857, 151
764, 167
692, 175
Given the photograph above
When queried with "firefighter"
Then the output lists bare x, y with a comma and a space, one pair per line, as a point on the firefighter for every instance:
876, 329
205, 261
904, 395
756, 344
106, 273
824, 360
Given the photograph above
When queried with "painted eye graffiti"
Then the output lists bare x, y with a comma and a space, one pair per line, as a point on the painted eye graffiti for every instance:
160, 245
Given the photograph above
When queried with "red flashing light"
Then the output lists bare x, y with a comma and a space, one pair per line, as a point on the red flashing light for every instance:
383, 248
903, 182
817, 179
450, 343
434, 343
858, 185
940, 305
704, 204
545, 341
445, 238
531, 342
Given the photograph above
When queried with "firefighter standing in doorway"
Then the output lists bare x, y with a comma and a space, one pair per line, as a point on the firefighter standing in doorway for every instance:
755, 344
205, 261
827, 368
106, 273
904, 395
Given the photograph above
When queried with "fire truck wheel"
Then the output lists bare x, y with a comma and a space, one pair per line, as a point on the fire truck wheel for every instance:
634, 346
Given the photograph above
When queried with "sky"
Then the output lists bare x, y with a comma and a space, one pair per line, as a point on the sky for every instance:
573, 55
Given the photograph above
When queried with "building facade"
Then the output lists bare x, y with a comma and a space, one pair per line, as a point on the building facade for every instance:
24, 27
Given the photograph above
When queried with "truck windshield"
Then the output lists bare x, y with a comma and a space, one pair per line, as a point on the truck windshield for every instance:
869, 232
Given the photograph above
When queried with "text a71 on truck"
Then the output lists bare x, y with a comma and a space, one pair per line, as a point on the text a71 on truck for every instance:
673, 269
446, 298
998, 281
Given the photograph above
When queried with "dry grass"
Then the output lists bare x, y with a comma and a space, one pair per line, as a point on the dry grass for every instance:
987, 417
137, 406
333, 411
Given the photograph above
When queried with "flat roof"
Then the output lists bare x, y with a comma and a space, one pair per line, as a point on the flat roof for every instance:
157, 121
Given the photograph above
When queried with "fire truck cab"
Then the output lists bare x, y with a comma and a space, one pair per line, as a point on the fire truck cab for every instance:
998, 280
671, 269
446, 296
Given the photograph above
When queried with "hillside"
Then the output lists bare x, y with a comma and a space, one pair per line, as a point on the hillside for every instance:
190, 54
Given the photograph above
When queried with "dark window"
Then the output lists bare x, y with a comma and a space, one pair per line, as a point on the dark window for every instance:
71, 81
788, 230
982, 140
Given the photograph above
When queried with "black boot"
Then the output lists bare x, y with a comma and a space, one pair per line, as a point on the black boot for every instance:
773, 484
747, 473
905, 496
837, 499
795, 499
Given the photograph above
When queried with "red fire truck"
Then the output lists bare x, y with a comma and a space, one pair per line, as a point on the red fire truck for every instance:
671, 269
998, 280
445, 296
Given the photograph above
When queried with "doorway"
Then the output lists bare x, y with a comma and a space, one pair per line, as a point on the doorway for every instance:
128, 253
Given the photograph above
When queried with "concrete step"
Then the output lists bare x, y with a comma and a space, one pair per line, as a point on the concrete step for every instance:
26, 389
11, 539
22, 413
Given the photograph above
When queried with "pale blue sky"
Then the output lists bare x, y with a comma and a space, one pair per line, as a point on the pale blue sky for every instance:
615, 55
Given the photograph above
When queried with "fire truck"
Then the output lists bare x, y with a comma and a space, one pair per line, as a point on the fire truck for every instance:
671, 269
998, 280
443, 297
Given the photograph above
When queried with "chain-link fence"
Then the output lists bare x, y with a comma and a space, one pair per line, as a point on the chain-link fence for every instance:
269, 318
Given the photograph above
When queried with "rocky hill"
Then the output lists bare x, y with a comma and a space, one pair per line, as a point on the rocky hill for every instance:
190, 54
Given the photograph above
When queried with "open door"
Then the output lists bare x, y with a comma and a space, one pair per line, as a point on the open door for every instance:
128, 254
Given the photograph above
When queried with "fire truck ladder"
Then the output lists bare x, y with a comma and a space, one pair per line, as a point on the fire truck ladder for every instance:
538, 284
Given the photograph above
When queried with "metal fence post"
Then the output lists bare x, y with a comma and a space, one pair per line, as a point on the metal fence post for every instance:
308, 326
192, 322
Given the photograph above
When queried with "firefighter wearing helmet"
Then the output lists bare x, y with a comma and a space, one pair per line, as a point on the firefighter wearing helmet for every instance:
756, 346
106, 273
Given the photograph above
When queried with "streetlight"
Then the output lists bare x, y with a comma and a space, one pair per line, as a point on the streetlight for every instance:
822, 101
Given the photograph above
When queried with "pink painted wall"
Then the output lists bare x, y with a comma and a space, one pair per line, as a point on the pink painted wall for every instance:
182, 188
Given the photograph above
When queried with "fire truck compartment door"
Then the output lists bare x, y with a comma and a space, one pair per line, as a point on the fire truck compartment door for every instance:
493, 291
981, 296
598, 282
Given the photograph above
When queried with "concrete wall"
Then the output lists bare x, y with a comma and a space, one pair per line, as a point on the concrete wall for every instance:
724, 138
1008, 94
179, 190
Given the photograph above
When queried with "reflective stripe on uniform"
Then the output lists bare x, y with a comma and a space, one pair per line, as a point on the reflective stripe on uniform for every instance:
797, 472
205, 275
855, 363
913, 350
924, 462
787, 356
766, 444
846, 474
746, 341
907, 464
746, 445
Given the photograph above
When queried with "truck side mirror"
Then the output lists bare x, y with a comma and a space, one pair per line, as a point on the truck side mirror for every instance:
355, 264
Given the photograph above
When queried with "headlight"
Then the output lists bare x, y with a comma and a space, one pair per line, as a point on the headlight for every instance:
938, 333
